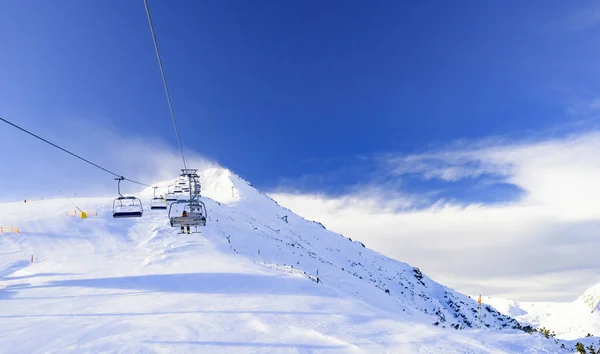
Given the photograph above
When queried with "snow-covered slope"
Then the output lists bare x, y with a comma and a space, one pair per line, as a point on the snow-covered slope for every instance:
246, 283
340, 261
569, 320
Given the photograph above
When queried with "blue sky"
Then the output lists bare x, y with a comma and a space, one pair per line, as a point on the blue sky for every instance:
291, 95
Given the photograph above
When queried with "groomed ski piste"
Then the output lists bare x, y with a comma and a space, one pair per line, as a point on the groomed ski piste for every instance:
256, 279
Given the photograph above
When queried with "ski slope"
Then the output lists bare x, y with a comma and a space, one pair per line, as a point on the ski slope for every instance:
569, 320
246, 284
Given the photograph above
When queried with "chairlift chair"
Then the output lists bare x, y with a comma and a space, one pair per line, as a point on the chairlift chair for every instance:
196, 213
126, 207
158, 203
171, 197
128, 210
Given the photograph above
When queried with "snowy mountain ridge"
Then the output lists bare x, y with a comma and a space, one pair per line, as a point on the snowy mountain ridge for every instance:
399, 281
591, 297
569, 320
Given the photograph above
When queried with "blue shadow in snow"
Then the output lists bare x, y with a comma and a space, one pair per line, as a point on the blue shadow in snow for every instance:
13, 267
248, 344
6, 294
39, 275
79, 296
171, 313
201, 283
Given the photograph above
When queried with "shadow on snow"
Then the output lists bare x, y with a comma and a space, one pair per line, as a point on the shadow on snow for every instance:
202, 283
248, 344
38, 275
171, 313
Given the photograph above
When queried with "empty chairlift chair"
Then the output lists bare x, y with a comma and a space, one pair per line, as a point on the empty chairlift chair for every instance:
126, 207
171, 197
158, 203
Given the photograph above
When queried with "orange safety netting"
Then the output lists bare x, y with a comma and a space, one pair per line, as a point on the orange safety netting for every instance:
9, 229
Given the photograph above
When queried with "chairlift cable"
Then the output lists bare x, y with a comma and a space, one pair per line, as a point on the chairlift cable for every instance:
71, 201
72, 154
162, 73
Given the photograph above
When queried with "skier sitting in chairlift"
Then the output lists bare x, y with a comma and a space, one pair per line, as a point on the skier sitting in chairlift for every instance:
184, 214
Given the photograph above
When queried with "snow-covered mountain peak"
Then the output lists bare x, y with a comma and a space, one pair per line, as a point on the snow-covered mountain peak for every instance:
569, 320
217, 183
591, 298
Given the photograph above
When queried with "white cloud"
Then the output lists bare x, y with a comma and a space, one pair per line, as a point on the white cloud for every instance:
542, 247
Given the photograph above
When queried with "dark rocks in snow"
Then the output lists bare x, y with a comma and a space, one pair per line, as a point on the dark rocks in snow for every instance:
418, 275
526, 329
318, 223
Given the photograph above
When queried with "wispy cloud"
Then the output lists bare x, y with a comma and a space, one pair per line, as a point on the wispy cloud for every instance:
44, 170
550, 233
583, 18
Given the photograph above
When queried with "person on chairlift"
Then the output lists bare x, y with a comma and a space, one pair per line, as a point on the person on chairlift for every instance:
184, 214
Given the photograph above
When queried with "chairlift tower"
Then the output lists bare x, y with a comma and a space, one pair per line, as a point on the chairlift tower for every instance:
193, 182
194, 207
